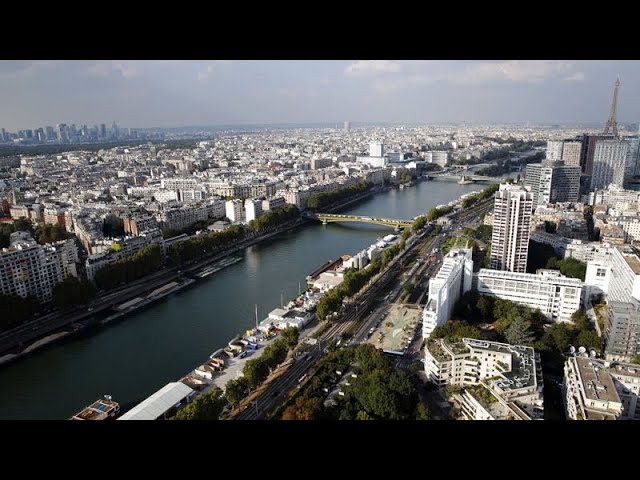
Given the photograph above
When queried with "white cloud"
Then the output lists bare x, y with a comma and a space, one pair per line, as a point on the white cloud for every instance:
309, 92
24, 68
407, 81
365, 68
210, 69
125, 69
576, 77
534, 71
529, 71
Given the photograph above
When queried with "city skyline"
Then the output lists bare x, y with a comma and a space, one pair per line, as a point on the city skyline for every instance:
166, 94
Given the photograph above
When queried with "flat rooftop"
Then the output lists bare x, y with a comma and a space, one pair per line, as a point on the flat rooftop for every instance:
531, 277
597, 382
633, 262
522, 373
98, 410
397, 328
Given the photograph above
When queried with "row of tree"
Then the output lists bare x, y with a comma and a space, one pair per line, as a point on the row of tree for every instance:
353, 282
435, 213
480, 196
186, 250
274, 218
144, 262
72, 292
17, 310
256, 370
207, 406
51, 233
318, 201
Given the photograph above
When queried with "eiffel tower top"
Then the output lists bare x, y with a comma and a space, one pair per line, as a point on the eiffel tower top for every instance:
611, 126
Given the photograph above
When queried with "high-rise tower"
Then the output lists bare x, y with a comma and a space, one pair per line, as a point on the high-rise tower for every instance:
511, 222
612, 125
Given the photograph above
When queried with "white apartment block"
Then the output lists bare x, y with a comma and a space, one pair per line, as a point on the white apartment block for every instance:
295, 197
27, 268
180, 183
554, 150
453, 279
127, 246
630, 225
234, 210
511, 225
553, 182
596, 389
614, 196
176, 217
511, 374
252, 208
192, 195
555, 295
622, 330
614, 271
571, 152
440, 158
216, 208
538, 178
609, 163
273, 203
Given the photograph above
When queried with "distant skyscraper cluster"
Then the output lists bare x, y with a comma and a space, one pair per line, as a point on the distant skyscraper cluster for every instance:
63, 133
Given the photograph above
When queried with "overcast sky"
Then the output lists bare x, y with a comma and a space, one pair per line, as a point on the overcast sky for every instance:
220, 92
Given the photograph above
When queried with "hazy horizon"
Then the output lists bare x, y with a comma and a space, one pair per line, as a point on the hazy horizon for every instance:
181, 94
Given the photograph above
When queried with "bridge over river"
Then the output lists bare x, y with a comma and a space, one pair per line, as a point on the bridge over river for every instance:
333, 218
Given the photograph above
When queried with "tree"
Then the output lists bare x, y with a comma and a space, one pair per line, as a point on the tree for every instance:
484, 307
580, 320
636, 360
573, 268
23, 224
208, 406
538, 255
408, 288
303, 409
519, 332
455, 331
362, 415
72, 292
290, 336
255, 371
590, 340
422, 412
561, 336
16, 310
235, 390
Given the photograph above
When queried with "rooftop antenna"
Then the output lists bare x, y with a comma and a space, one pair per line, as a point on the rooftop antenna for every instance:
612, 123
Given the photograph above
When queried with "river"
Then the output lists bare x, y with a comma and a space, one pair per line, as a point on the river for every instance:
139, 354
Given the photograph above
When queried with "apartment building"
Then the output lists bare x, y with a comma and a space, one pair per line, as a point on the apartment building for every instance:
555, 295
597, 389
453, 279
27, 268
501, 380
511, 225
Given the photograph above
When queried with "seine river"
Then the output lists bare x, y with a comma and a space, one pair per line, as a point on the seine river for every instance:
140, 353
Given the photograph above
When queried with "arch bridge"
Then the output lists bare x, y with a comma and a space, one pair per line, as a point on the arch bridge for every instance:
334, 218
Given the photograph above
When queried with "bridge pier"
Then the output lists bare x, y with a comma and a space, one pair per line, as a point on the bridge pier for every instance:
324, 222
397, 228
